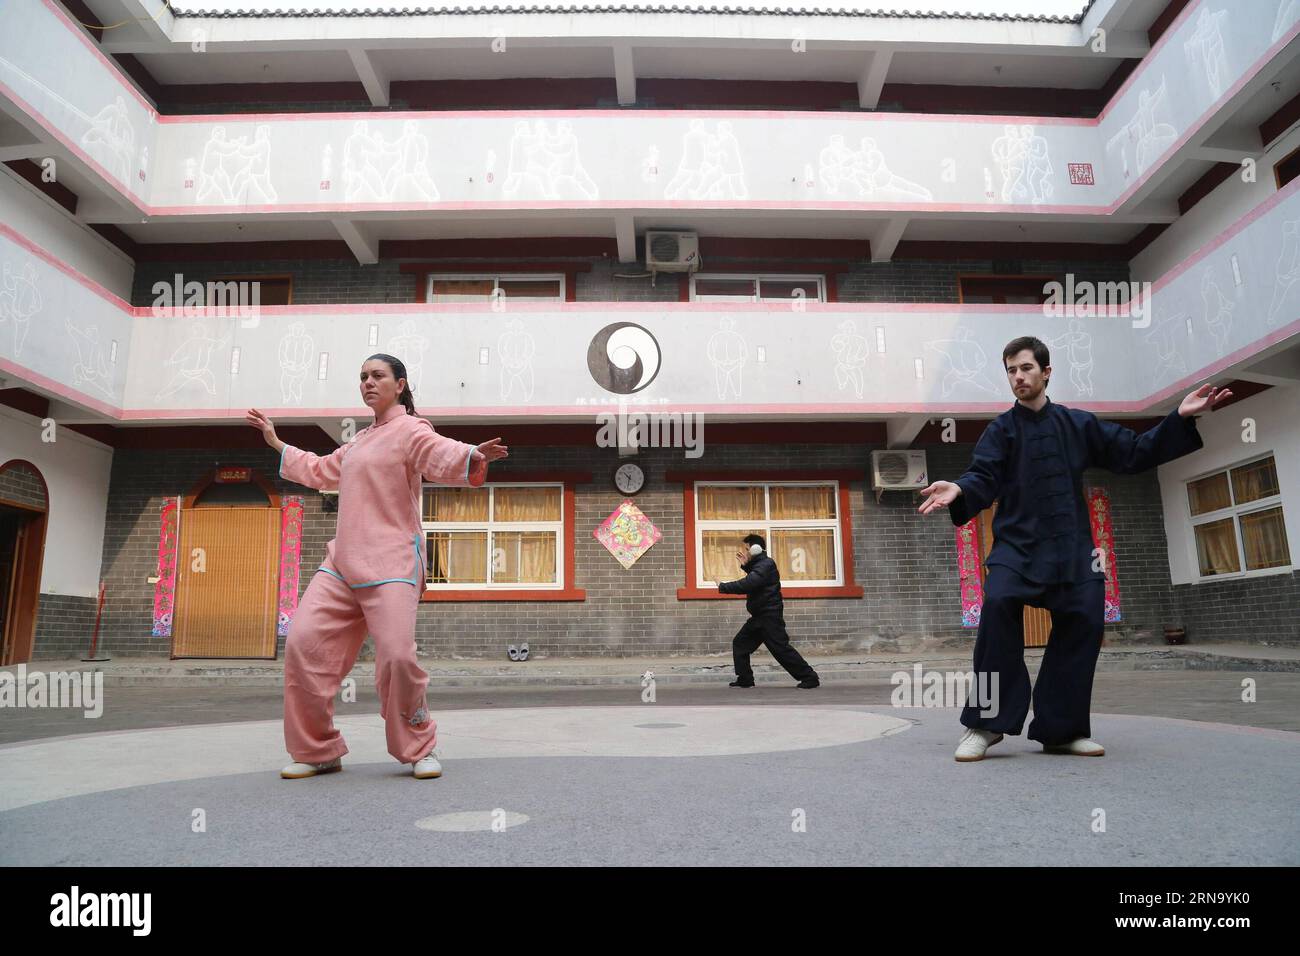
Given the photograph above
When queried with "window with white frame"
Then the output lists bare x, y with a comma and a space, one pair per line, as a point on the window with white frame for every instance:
731, 287
798, 519
486, 286
494, 536
1237, 520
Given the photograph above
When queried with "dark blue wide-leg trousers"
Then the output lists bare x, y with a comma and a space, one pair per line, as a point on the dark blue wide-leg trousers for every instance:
1063, 693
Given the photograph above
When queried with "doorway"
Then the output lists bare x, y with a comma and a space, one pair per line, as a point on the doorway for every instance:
227, 571
24, 507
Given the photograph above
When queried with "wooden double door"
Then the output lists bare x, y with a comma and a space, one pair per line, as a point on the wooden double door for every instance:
227, 582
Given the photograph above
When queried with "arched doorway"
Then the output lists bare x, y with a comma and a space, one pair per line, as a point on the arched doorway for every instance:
228, 568
24, 510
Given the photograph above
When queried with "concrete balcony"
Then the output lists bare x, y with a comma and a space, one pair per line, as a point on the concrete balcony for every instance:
1232, 306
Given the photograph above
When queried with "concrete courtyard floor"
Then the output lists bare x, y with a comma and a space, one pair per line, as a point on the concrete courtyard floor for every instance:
704, 775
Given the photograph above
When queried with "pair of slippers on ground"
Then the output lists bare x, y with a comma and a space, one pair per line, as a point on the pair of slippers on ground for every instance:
518, 653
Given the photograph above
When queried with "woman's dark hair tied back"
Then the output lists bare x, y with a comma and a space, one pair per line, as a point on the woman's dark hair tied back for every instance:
399, 371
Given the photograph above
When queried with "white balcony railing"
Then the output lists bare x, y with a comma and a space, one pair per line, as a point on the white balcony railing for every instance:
1237, 296
52, 76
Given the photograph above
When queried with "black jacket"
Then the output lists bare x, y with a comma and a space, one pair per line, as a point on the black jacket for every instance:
1032, 463
761, 586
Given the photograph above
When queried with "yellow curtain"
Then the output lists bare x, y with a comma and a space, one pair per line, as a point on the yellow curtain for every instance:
1209, 494
455, 504
817, 501
458, 557
526, 504
718, 553
1216, 547
804, 554
523, 557
1255, 481
1264, 536
731, 503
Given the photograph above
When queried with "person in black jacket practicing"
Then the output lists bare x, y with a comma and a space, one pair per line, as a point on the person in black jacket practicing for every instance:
761, 586
1031, 460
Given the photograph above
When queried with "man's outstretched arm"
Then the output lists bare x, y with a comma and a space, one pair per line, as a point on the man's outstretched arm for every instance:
1125, 452
979, 486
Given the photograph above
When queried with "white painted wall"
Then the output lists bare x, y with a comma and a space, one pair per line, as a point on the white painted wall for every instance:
1276, 431
76, 469
49, 226
1218, 211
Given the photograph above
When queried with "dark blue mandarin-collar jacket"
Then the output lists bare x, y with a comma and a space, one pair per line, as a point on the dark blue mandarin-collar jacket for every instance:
1032, 464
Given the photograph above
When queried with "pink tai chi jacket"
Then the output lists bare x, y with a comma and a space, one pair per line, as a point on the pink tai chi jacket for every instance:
378, 476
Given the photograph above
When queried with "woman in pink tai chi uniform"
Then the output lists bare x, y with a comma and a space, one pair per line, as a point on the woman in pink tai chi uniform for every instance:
372, 575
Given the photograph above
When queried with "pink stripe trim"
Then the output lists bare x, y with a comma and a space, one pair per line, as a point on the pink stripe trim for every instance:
60, 389
1262, 209
840, 116
1209, 114
84, 280
1147, 60
635, 205
90, 45
39, 118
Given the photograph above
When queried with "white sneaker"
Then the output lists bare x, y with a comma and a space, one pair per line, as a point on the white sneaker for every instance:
297, 770
974, 743
1080, 747
427, 766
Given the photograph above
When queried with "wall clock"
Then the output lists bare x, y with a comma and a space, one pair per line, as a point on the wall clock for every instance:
629, 478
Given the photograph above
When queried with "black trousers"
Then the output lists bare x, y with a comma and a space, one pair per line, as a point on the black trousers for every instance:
768, 630
1063, 694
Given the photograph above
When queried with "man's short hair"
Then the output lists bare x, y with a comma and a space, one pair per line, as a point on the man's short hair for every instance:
756, 539
1037, 346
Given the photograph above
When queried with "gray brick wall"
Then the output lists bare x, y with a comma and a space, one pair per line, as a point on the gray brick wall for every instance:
905, 563
18, 483
324, 281
1263, 610
64, 626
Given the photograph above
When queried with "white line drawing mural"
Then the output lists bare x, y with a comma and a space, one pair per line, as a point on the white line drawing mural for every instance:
852, 351
296, 354
410, 345
1218, 310
1287, 12
966, 362
375, 170
1164, 335
543, 165
235, 170
111, 139
1206, 45
91, 367
728, 353
516, 349
19, 301
1288, 269
1023, 159
710, 166
866, 169
1148, 132
191, 359
1077, 345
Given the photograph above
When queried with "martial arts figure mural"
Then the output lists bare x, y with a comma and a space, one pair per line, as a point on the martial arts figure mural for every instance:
1030, 460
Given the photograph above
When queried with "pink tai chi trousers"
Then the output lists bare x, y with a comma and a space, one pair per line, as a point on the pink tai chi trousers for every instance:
326, 634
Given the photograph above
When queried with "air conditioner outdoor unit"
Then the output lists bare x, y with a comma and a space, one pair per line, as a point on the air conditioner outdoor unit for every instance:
672, 251
898, 471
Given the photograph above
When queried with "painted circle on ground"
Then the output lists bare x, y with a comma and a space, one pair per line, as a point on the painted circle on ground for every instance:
470, 821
